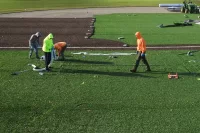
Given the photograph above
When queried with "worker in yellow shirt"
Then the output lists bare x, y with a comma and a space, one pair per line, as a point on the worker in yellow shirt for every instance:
47, 48
141, 50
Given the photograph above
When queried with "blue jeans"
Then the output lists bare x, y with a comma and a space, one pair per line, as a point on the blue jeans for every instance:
33, 47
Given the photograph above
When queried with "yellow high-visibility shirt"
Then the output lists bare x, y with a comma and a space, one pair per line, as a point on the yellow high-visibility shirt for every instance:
48, 43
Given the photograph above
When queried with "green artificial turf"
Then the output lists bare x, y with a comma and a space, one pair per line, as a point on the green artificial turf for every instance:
113, 26
30, 5
98, 94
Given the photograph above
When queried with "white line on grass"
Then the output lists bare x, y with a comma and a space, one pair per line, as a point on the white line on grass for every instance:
116, 53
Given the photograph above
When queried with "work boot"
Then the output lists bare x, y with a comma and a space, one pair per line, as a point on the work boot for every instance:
133, 70
48, 69
62, 59
50, 66
148, 70
161, 26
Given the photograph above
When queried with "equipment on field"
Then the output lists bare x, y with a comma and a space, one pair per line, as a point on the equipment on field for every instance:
109, 54
171, 76
119, 38
174, 9
42, 57
41, 73
37, 69
189, 7
176, 24
125, 45
189, 53
112, 56
171, 5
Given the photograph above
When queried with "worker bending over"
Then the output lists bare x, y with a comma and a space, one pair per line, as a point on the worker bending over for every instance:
60, 49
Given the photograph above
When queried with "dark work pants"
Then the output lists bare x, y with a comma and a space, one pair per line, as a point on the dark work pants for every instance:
47, 59
62, 53
144, 60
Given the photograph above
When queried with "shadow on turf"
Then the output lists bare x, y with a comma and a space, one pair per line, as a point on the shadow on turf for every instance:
125, 74
185, 53
188, 73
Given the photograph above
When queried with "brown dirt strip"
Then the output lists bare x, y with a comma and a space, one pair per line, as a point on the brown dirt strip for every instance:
15, 33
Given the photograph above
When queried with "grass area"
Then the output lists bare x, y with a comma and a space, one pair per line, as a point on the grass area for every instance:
29, 5
98, 94
125, 25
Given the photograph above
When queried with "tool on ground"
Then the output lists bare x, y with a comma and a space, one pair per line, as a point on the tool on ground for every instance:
173, 76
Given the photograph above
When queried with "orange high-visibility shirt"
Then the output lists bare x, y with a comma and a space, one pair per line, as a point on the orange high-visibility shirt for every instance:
59, 46
141, 44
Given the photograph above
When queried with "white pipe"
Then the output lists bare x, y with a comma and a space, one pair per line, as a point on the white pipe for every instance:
170, 5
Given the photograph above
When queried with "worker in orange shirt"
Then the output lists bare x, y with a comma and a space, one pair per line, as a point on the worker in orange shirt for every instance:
60, 49
141, 50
